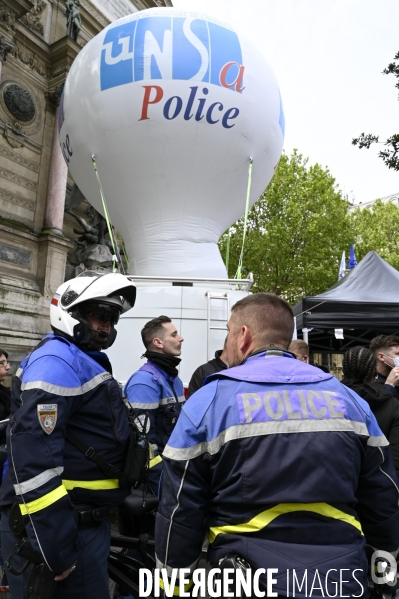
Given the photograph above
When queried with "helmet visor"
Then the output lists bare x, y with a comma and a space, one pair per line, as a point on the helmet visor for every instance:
102, 312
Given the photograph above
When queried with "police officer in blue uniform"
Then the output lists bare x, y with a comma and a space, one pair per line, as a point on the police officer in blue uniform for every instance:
155, 391
280, 464
63, 388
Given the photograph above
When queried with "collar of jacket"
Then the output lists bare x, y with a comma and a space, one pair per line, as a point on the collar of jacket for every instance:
271, 351
156, 371
273, 366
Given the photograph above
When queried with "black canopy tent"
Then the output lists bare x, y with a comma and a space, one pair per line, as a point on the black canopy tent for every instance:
364, 303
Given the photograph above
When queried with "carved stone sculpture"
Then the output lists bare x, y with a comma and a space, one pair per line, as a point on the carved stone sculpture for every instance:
93, 246
5, 47
33, 18
74, 20
14, 134
31, 61
94, 231
54, 94
7, 18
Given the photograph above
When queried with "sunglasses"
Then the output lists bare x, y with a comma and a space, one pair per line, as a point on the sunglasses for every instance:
103, 314
4, 363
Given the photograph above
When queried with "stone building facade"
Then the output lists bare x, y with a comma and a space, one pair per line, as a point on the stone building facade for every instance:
35, 238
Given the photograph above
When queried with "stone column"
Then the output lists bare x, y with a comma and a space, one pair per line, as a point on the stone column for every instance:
53, 246
56, 187
5, 47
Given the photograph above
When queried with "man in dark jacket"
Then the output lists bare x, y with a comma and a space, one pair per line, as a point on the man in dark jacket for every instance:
386, 349
5, 393
218, 363
280, 464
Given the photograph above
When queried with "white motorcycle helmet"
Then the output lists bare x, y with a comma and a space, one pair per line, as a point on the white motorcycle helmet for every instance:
72, 298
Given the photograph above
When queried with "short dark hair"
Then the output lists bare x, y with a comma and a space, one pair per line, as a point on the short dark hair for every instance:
358, 365
3, 353
269, 317
153, 328
383, 342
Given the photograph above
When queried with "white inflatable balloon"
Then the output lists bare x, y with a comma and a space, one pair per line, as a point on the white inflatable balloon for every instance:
173, 105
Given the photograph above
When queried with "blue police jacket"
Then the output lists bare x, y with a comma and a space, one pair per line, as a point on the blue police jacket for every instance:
58, 388
156, 398
283, 465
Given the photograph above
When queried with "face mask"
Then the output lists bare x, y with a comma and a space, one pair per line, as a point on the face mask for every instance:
395, 361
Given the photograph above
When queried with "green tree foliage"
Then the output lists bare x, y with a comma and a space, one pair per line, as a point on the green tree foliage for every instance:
296, 233
377, 229
390, 154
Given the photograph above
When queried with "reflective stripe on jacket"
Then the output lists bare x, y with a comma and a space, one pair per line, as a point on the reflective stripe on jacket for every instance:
282, 464
157, 399
59, 387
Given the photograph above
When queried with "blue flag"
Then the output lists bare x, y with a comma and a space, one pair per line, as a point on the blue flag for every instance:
342, 267
352, 262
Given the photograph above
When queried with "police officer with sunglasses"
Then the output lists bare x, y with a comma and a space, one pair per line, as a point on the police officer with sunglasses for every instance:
64, 397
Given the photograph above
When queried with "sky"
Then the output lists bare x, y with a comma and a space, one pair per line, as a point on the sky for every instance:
328, 57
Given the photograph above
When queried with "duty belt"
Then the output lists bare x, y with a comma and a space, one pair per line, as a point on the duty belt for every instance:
89, 514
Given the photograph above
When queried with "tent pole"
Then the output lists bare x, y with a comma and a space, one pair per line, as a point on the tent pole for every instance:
306, 340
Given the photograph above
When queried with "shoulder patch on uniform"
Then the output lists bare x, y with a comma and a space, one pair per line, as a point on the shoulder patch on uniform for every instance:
47, 416
140, 420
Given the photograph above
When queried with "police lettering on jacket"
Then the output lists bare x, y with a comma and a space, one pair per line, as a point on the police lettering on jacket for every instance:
289, 405
283, 465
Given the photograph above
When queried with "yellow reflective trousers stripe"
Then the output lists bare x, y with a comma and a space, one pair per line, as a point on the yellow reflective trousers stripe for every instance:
43, 502
264, 518
62, 490
93, 485
155, 461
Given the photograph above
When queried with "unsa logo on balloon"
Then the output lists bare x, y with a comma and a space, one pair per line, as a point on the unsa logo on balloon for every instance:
174, 105
179, 48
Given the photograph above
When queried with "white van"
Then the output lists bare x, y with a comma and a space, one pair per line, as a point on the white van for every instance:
199, 308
